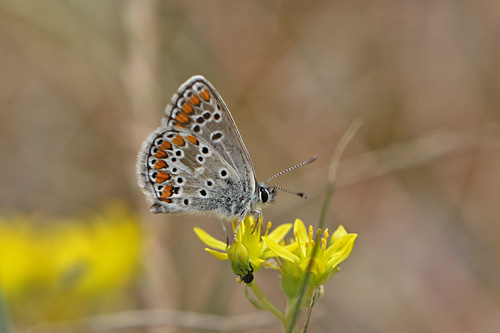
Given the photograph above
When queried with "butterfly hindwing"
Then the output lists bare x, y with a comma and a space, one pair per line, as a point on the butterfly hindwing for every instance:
184, 174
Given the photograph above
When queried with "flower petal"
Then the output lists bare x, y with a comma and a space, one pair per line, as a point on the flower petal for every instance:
299, 230
338, 234
217, 254
279, 250
209, 240
335, 246
317, 266
279, 233
257, 263
342, 251
290, 248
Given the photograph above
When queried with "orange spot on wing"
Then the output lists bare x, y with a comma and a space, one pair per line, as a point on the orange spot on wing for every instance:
178, 140
177, 125
160, 164
188, 108
166, 145
160, 153
167, 192
205, 94
166, 200
162, 176
192, 139
195, 100
182, 117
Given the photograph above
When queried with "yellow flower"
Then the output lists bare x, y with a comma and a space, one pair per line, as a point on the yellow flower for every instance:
248, 253
301, 256
60, 269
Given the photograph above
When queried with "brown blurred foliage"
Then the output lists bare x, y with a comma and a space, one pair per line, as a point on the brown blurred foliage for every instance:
83, 82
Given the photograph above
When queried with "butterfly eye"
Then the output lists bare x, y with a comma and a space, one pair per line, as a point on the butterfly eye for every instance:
264, 196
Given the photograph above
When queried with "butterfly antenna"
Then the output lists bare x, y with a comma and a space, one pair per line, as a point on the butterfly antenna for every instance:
300, 194
312, 159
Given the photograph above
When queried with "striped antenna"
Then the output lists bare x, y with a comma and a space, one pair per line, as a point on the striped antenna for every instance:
312, 159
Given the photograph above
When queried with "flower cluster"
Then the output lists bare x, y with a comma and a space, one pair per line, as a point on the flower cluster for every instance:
248, 253
308, 256
56, 272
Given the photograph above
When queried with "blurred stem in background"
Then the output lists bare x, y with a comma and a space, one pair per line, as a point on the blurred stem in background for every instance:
330, 186
3, 315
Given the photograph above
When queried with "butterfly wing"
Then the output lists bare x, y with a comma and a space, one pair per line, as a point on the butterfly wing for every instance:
196, 161
198, 108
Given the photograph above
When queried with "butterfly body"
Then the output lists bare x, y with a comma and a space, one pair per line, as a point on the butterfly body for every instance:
196, 161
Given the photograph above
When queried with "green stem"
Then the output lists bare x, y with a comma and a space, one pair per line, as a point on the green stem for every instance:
290, 324
346, 138
265, 302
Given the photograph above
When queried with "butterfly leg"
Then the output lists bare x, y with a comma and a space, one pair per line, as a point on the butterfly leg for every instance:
258, 213
225, 231
237, 227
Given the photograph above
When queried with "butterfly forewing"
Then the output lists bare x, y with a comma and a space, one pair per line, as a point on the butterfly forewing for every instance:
198, 108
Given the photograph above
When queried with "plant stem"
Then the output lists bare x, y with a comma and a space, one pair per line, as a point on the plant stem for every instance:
265, 302
290, 323
330, 186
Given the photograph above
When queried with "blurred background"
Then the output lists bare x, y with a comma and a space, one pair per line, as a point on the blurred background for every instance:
82, 83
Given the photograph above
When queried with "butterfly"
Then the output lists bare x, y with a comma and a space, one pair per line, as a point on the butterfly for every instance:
196, 161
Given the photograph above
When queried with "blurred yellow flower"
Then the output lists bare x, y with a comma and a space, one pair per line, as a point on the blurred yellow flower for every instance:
68, 259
